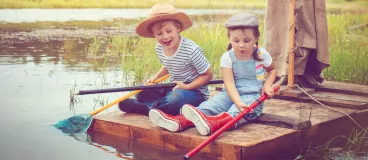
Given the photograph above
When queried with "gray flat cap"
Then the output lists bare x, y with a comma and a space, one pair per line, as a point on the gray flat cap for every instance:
242, 20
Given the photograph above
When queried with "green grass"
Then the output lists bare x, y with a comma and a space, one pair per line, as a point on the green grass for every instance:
340, 147
348, 48
130, 3
231, 4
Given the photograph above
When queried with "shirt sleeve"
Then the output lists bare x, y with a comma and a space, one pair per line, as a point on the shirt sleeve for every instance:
265, 55
159, 53
226, 61
199, 61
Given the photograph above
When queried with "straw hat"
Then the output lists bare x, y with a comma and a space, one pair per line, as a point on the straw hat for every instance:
162, 11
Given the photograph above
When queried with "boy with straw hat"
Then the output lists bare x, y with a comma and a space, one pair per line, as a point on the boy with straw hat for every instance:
180, 57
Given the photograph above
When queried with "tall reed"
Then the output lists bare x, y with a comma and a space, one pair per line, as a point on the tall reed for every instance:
348, 49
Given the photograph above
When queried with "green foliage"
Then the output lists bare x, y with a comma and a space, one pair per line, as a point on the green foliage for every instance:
142, 62
209, 4
356, 140
130, 3
348, 49
69, 44
138, 55
341, 147
213, 41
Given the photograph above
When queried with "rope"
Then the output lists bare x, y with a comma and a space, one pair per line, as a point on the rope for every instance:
329, 107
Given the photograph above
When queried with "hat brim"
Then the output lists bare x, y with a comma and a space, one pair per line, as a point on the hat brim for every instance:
143, 29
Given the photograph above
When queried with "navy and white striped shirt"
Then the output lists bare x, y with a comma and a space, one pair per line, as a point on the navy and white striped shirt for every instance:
186, 64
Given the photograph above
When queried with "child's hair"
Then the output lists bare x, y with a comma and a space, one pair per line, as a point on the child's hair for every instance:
159, 24
255, 33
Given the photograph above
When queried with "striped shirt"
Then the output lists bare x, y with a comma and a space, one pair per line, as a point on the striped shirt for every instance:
186, 64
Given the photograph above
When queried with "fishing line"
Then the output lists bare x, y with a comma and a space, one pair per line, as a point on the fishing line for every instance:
330, 107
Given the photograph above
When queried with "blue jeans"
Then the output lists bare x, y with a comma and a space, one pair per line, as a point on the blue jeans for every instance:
167, 100
223, 103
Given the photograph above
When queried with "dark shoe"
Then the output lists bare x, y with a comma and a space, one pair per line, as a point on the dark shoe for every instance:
206, 125
133, 106
169, 122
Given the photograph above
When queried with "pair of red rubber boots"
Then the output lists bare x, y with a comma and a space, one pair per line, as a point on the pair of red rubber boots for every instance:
189, 117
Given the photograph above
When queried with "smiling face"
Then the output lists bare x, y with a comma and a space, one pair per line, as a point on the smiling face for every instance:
167, 33
242, 40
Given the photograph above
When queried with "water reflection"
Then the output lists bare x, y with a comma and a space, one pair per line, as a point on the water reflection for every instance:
53, 51
37, 81
130, 149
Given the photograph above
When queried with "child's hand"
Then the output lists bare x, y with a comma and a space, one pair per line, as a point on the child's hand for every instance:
180, 85
242, 107
268, 90
150, 81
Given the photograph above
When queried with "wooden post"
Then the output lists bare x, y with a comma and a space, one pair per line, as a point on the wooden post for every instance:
291, 45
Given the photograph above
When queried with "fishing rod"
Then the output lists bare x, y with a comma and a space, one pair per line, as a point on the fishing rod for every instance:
122, 89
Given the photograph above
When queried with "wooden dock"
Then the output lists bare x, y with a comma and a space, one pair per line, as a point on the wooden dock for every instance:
289, 124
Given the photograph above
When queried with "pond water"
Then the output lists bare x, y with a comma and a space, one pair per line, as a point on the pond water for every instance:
33, 15
35, 93
36, 81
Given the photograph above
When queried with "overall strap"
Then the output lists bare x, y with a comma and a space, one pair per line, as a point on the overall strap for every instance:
232, 55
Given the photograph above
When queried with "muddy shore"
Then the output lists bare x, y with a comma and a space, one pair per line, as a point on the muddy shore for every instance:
60, 34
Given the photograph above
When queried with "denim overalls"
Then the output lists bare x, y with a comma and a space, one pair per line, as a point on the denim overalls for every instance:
249, 80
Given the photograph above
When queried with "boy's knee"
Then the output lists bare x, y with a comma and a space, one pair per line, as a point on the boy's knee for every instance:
176, 96
132, 106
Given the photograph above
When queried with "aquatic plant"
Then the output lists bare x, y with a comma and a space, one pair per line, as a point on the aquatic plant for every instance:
69, 44
340, 147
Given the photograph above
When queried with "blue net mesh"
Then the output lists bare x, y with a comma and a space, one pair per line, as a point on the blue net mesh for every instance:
76, 124
82, 137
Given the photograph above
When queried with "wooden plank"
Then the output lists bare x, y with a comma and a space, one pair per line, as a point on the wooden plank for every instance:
139, 128
284, 122
347, 88
248, 140
294, 92
131, 149
331, 99
227, 145
339, 100
340, 96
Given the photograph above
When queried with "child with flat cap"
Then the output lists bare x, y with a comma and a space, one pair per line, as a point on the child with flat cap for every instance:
243, 69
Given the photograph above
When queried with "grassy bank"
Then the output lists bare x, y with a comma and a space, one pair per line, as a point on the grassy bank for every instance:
131, 4
117, 23
29, 26
348, 48
230, 4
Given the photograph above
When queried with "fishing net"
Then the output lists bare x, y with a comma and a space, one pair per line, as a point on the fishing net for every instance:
76, 124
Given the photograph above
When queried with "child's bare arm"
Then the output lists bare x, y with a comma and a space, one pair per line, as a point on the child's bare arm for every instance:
270, 79
162, 72
201, 80
228, 77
